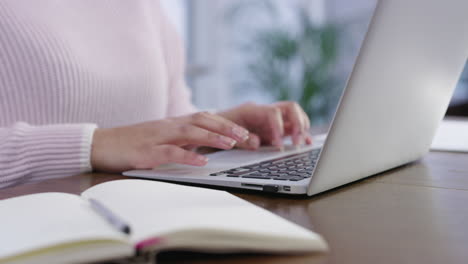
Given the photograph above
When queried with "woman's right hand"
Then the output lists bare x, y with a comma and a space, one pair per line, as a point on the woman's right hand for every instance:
147, 145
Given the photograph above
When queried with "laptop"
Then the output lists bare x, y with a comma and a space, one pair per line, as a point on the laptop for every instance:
409, 64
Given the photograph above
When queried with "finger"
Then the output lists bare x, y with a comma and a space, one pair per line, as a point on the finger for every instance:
187, 134
191, 147
240, 132
252, 143
306, 133
305, 118
293, 115
164, 154
275, 121
303, 134
220, 125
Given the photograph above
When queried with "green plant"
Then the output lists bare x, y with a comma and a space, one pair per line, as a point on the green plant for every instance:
295, 64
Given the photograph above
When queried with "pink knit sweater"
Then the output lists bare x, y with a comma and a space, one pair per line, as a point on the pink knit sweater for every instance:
69, 66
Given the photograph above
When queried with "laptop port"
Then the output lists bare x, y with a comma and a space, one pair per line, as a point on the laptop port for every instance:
270, 188
252, 185
287, 188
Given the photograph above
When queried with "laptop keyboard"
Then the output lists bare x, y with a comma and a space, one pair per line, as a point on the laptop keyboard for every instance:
289, 168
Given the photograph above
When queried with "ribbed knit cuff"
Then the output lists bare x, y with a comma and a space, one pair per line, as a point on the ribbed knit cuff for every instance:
35, 153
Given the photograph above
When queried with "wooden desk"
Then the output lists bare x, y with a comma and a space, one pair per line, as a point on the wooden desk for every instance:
415, 214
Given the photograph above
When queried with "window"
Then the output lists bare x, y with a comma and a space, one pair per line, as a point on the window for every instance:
224, 59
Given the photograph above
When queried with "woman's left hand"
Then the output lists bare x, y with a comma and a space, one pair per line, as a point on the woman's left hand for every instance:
268, 124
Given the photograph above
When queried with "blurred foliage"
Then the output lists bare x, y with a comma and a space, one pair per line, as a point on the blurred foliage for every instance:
293, 64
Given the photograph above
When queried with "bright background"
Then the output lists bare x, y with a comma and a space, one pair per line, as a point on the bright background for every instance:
267, 50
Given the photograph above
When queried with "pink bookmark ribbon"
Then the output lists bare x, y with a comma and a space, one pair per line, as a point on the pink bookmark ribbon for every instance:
148, 243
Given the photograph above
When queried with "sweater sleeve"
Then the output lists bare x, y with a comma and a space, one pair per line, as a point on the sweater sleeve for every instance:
34, 153
179, 96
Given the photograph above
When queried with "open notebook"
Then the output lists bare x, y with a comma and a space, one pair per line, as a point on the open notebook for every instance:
64, 228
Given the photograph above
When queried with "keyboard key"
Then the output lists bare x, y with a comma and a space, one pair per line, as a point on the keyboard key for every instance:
256, 177
294, 168
255, 174
296, 179
237, 174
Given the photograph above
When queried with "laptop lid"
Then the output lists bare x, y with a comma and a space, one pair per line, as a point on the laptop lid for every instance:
398, 92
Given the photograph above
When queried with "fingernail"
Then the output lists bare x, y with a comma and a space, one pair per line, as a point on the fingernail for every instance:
298, 140
301, 141
280, 148
229, 142
202, 159
277, 143
254, 142
298, 143
240, 133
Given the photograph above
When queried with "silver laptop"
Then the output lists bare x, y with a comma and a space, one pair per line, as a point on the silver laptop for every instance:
399, 89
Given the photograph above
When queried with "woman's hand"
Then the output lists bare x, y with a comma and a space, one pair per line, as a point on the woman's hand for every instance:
147, 145
268, 124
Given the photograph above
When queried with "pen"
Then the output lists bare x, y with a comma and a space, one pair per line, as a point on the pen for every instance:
114, 220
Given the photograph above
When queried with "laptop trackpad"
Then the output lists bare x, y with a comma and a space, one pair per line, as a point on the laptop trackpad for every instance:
224, 160
238, 157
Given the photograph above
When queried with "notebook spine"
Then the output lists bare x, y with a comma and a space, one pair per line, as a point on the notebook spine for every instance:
148, 257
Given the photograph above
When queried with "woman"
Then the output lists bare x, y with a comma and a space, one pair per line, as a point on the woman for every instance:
99, 85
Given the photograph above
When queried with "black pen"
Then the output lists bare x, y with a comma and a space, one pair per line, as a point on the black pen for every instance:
113, 219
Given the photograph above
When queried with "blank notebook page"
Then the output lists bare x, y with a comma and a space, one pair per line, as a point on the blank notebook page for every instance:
157, 208
40, 220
